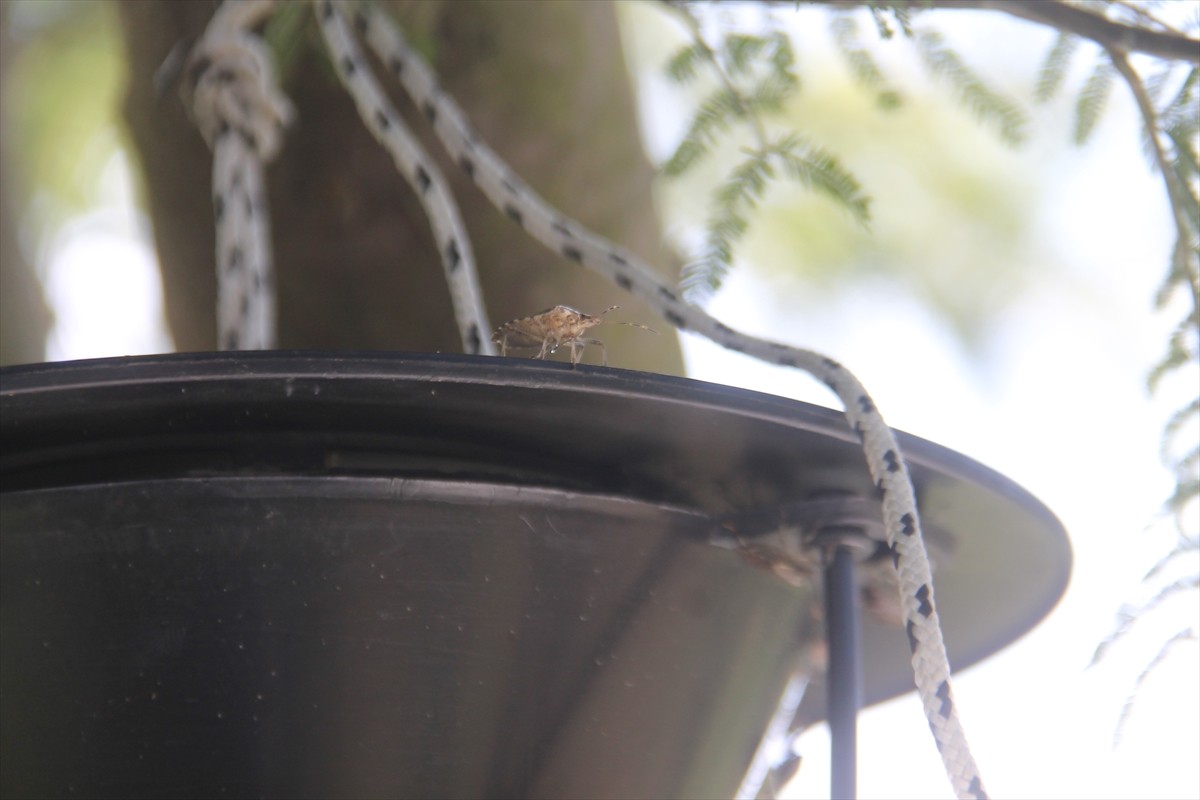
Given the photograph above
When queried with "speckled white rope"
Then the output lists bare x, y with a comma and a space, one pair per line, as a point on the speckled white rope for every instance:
422, 174
887, 467
241, 114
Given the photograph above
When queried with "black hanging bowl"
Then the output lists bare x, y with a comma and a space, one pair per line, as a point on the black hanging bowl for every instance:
313, 575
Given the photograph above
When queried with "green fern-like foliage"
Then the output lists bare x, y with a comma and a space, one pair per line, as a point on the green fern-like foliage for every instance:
1054, 68
738, 196
989, 105
1168, 589
1181, 449
899, 13
863, 66
1178, 131
714, 116
682, 66
758, 78
755, 78
1183, 349
1171, 131
1092, 100
1170, 134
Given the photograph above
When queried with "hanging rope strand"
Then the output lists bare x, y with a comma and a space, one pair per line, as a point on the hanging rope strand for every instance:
887, 466
241, 114
422, 174
245, 284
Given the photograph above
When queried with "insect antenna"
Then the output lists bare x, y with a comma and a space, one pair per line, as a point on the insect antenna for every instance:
618, 322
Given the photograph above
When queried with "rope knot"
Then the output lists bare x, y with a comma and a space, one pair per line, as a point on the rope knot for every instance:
232, 85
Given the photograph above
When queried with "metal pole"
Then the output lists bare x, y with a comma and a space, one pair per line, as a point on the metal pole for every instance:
845, 669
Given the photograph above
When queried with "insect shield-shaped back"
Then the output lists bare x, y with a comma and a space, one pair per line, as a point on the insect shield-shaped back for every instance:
554, 327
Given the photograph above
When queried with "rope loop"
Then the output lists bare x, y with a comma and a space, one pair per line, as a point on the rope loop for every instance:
231, 91
232, 82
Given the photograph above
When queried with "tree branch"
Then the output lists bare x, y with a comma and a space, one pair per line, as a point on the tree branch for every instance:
1069, 18
1108, 33
1138, 11
1181, 259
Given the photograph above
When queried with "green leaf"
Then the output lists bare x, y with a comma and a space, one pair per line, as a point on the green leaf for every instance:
881, 23
758, 77
975, 94
746, 186
899, 12
681, 67
1181, 110
1185, 263
1183, 547
1157, 80
1181, 349
1186, 634
1054, 68
715, 114
862, 65
769, 95
734, 199
820, 171
1092, 99
1181, 419
1191, 210
741, 49
685, 156
1187, 163
747, 182
1185, 491
782, 57
1128, 614
1185, 468
700, 278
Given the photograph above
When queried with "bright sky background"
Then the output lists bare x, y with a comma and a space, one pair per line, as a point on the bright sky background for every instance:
1060, 408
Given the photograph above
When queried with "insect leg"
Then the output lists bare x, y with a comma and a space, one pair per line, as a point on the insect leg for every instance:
577, 346
598, 343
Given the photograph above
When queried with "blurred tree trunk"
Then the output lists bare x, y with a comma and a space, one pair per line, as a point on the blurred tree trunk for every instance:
24, 317
545, 84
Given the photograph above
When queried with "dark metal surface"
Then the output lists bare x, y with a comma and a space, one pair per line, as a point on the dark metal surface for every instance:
325, 468
845, 670
375, 637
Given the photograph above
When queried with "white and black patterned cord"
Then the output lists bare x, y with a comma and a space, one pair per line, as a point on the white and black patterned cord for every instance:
885, 463
241, 114
422, 174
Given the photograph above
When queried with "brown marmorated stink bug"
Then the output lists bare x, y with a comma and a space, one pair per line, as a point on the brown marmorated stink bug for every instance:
554, 327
